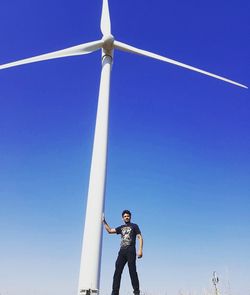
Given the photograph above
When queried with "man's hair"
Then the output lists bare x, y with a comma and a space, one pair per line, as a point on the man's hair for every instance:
126, 212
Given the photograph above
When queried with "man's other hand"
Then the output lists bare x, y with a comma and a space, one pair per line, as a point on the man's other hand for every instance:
139, 254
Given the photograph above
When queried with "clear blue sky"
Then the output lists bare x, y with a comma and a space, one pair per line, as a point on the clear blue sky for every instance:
179, 144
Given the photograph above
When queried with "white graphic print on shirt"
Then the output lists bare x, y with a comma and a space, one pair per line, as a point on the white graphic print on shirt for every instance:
126, 236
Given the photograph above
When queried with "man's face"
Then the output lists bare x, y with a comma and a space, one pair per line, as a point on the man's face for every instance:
126, 218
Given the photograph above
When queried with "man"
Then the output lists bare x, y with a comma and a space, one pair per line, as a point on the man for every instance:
127, 254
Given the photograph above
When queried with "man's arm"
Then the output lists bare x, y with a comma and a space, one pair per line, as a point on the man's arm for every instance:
139, 237
107, 227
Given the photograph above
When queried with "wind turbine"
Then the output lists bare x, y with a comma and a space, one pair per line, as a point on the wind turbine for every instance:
215, 281
91, 249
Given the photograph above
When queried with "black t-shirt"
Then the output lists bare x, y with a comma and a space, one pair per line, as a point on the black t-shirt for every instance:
128, 234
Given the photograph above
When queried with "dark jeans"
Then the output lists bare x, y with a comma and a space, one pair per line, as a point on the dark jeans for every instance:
127, 255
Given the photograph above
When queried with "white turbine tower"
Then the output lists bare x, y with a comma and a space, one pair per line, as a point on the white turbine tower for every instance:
92, 238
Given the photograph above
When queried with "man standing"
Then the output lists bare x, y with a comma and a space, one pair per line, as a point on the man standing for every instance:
127, 254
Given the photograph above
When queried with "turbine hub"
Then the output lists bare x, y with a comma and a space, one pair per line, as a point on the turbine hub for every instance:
108, 44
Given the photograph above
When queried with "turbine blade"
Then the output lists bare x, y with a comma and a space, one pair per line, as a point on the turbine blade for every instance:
131, 49
105, 19
75, 50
